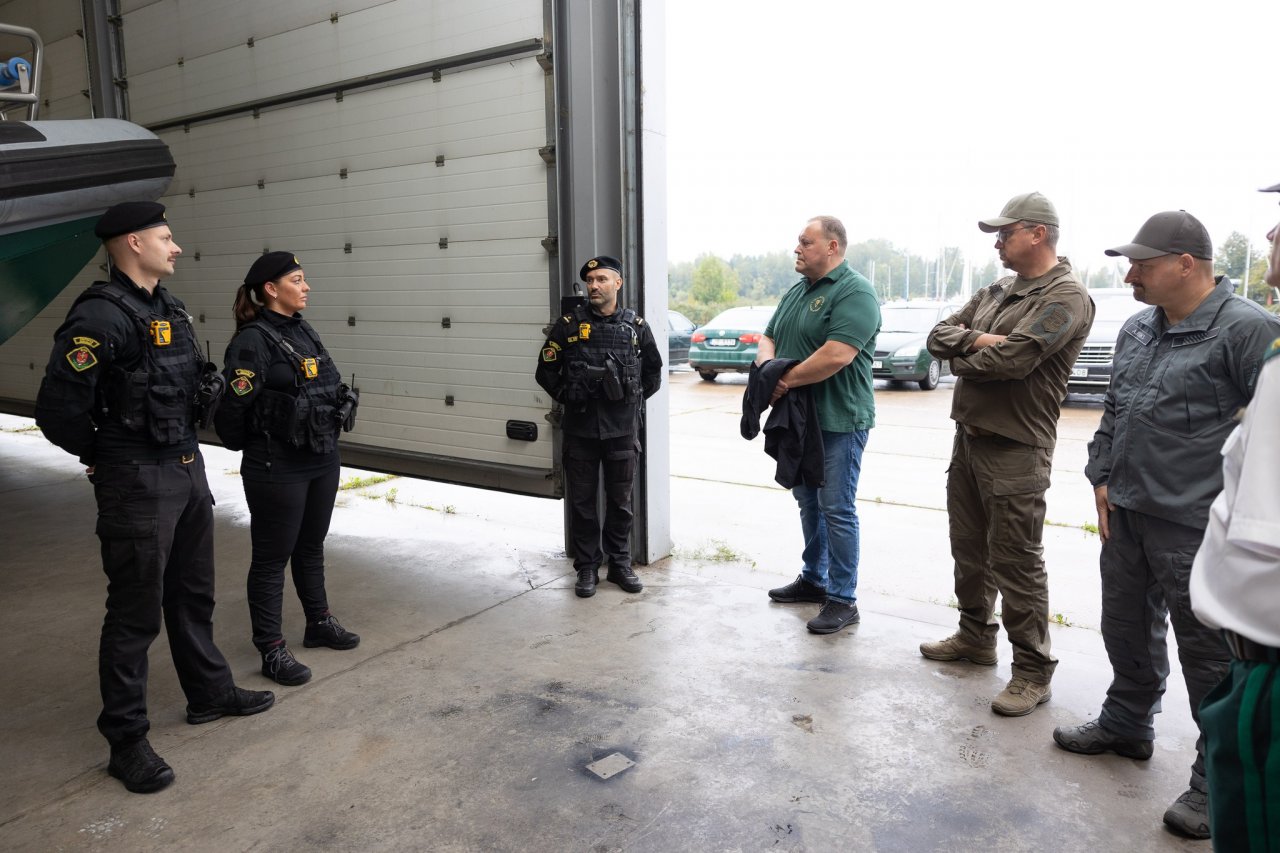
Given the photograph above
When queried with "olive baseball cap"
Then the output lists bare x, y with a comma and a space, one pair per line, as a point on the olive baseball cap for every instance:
1028, 207
1173, 232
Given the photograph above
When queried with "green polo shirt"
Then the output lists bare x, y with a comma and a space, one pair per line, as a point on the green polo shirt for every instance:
840, 306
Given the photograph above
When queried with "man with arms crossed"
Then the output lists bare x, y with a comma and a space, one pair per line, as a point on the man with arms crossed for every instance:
1011, 347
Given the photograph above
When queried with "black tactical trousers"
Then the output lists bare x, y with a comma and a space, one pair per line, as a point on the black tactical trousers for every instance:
288, 524
155, 522
584, 459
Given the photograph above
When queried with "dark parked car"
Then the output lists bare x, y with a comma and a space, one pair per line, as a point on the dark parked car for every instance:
679, 331
729, 342
1092, 371
900, 354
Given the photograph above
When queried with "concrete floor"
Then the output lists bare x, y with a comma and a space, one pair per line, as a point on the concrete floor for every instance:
483, 688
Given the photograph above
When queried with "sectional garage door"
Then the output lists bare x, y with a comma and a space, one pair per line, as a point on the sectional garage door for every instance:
395, 148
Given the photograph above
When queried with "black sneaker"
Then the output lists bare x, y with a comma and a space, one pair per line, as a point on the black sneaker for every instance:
136, 764
279, 664
587, 580
235, 702
624, 577
798, 590
833, 616
326, 631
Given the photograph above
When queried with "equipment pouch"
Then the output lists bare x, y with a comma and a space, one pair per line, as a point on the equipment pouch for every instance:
167, 412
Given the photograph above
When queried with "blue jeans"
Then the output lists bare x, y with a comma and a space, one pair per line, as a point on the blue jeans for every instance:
829, 518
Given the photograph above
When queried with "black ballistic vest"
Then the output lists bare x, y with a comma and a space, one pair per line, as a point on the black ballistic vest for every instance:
605, 342
305, 419
158, 397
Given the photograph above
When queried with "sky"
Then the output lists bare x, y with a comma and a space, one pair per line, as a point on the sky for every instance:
912, 120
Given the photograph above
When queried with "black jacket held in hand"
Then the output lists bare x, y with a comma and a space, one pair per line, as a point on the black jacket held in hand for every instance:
791, 434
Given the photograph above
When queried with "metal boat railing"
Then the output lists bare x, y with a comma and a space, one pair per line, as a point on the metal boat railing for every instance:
19, 78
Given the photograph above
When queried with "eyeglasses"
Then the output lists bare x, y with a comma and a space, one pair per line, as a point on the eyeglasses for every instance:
1003, 235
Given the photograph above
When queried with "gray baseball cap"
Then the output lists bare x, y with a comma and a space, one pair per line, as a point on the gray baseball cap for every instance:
1275, 189
1173, 232
1028, 207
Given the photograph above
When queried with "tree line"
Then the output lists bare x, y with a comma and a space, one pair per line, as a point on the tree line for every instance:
707, 285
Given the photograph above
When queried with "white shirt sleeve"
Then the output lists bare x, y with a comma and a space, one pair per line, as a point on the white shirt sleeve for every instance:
1235, 582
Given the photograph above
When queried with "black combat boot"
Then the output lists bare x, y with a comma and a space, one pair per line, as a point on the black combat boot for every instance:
624, 577
587, 580
234, 702
136, 764
279, 664
326, 631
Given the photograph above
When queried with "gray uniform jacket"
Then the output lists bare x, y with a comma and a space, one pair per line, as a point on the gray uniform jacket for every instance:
1172, 402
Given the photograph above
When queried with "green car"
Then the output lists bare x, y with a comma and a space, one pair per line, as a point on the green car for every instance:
900, 354
728, 344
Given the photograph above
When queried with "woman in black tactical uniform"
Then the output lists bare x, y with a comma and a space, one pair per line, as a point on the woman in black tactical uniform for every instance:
284, 406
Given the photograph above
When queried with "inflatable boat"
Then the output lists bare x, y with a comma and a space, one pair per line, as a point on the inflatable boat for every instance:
56, 179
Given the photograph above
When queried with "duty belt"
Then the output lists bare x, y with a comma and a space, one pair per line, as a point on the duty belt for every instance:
1242, 648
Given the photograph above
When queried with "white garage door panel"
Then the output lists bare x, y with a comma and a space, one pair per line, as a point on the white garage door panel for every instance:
369, 41
498, 109
71, 107
207, 26
65, 75
327, 216
491, 447
51, 19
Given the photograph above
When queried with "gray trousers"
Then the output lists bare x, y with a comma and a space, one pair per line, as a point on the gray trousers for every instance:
995, 507
1146, 567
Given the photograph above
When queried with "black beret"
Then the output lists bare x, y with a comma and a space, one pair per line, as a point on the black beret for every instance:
129, 217
271, 266
603, 262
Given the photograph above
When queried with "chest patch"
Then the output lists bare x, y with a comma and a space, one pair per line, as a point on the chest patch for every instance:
816, 305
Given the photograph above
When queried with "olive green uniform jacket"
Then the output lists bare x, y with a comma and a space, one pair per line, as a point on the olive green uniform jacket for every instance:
1015, 389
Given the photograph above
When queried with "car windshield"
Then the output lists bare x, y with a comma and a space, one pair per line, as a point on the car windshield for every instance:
1115, 307
754, 318
906, 318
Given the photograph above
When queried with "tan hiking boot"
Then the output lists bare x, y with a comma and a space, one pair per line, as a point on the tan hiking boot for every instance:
957, 647
1020, 697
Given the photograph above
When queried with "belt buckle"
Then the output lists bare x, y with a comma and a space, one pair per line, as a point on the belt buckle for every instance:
188, 458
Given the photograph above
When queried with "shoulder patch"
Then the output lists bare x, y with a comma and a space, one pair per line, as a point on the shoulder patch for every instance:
82, 358
241, 384
248, 374
85, 341
1051, 322
549, 353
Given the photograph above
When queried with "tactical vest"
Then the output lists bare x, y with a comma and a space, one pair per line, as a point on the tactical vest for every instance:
306, 419
158, 398
596, 340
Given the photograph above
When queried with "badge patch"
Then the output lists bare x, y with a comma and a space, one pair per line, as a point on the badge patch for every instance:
161, 333
83, 341
81, 358
816, 305
584, 331
310, 368
241, 385
549, 354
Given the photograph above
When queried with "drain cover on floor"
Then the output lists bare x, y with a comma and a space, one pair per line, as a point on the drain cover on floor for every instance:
610, 765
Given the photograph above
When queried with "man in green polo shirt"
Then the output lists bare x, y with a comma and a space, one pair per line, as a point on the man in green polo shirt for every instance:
828, 323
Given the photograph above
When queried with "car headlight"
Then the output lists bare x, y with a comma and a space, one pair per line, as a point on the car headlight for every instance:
907, 352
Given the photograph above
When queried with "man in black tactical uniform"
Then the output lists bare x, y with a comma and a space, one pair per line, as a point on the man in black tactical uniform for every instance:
601, 362
123, 391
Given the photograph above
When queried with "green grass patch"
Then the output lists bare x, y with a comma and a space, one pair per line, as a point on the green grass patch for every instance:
363, 482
